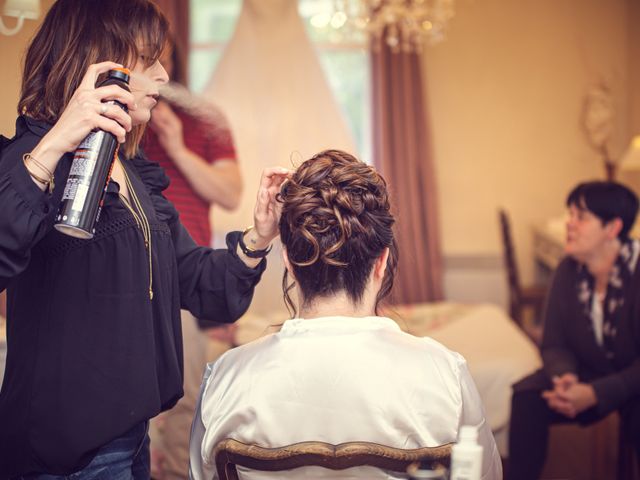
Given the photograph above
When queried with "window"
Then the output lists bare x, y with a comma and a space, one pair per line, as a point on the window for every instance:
345, 60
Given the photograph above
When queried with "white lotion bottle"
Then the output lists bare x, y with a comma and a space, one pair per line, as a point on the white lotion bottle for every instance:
466, 455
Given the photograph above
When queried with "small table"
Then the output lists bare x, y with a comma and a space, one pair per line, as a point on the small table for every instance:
548, 243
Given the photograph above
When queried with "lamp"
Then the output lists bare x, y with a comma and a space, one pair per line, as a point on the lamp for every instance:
403, 24
20, 9
629, 168
630, 161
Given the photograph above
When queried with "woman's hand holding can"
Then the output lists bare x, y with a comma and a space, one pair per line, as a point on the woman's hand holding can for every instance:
85, 112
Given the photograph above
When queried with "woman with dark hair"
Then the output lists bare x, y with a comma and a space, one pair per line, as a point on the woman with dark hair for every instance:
337, 372
93, 326
591, 342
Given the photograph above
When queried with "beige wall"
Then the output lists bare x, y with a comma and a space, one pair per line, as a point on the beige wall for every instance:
633, 29
505, 92
11, 53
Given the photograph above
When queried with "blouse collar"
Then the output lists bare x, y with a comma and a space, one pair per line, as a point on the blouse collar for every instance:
338, 323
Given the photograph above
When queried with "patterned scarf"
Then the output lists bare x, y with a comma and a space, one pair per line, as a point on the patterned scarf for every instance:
619, 279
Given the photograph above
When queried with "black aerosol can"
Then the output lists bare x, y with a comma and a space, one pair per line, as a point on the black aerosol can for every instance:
90, 173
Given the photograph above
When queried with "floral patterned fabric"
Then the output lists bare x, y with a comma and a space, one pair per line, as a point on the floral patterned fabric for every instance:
619, 279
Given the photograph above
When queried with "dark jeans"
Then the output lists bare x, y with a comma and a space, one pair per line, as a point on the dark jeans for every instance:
125, 458
530, 421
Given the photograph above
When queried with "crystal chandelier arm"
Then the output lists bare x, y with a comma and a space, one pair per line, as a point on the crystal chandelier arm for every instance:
4, 30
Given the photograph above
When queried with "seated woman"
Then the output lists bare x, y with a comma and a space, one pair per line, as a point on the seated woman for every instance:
591, 343
337, 372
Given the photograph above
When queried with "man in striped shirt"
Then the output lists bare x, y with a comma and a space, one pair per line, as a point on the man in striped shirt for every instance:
200, 159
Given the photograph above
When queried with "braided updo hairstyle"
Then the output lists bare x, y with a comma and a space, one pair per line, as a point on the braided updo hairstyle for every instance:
335, 223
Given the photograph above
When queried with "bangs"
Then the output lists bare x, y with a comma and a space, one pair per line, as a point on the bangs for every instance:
152, 34
146, 32
577, 198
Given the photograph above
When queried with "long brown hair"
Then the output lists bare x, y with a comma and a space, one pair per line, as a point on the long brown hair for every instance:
336, 221
78, 33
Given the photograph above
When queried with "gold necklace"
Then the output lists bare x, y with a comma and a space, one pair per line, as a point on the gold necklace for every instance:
142, 222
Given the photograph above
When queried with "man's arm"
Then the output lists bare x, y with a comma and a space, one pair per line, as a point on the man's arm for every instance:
216, 182
219, 183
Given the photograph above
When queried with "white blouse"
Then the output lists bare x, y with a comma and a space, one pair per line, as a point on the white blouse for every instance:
337, 379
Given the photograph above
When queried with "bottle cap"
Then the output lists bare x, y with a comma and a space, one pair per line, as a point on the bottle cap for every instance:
120, 73
468, 433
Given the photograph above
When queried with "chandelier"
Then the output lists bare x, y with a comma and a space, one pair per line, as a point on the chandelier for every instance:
404, 25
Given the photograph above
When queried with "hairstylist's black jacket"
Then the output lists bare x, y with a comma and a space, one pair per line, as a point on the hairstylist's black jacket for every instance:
89, 354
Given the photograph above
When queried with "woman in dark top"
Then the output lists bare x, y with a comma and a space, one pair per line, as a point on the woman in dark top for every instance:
93, 327
591, 344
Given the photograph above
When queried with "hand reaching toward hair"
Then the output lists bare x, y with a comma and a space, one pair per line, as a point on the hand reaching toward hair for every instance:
266, 214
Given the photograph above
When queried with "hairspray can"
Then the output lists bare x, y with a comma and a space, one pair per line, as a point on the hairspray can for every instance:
90, 172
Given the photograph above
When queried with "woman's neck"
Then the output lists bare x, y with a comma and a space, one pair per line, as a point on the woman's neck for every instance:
600, 264
337, 305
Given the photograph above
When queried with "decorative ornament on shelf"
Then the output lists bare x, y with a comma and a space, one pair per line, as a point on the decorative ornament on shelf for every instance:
404, 25
598, 115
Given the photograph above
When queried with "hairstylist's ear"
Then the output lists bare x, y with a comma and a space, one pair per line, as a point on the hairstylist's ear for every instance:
380, 265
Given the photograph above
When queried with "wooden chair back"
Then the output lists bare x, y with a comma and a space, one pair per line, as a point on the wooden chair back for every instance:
229, 453
513, 276
521, 297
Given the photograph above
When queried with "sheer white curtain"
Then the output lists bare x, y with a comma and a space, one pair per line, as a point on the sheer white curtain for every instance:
270, 84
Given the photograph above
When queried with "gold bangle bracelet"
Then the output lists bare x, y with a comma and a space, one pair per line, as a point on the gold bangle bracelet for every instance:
28, 156
48, 184
37, 178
